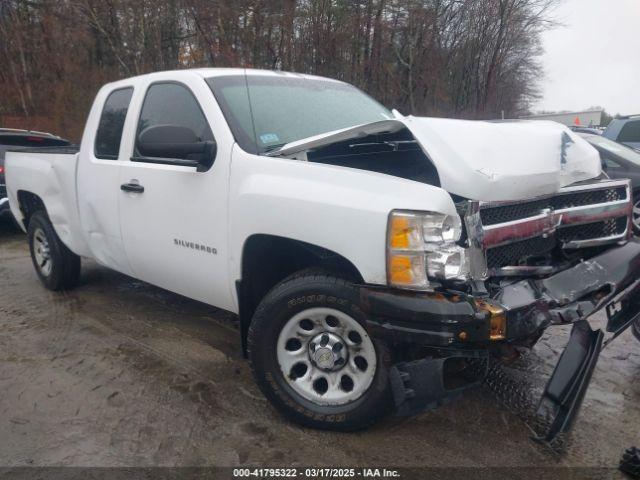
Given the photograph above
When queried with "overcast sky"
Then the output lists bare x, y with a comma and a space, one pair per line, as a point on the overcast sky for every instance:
594, 59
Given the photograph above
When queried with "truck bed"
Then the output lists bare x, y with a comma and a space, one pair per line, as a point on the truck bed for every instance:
48, 173
63, 150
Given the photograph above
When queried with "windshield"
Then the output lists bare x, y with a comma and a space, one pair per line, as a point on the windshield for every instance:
268, 111
617, 149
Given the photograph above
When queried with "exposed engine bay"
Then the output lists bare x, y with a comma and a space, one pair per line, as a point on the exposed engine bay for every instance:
397, 154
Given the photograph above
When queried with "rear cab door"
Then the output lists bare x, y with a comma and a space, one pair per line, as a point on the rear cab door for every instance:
101, 156
174, 216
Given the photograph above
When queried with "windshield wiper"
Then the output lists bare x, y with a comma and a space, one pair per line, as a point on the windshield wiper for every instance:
272, 150
394, 144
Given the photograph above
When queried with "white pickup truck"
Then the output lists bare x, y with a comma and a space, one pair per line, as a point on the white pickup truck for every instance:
375, 262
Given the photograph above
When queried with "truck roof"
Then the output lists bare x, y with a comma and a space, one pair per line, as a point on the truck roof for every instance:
219, 72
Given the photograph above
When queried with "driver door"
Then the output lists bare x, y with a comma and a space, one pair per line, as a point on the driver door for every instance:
172, 212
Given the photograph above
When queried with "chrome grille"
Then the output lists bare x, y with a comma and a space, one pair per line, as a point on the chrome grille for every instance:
589, 231
504, 237
588, 197
507, 213
513, 253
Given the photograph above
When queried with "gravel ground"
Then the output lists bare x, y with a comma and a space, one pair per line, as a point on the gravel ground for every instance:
120, 373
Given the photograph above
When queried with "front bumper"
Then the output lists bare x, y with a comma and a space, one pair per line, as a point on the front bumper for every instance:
530, 305
457, 325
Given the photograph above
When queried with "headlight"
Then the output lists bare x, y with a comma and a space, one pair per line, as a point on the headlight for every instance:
447, 263
438, 228
421, 245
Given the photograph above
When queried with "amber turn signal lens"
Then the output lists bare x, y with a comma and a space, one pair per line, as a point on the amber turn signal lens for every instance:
400, 231
498, 327
497, 320
406, 269
400, 269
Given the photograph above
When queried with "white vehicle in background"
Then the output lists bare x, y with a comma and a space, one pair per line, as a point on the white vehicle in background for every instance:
375, 261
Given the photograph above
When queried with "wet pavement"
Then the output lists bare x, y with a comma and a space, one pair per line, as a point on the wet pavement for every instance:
120, 373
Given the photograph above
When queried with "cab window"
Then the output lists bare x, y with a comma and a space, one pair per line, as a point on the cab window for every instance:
172, 129
109, 134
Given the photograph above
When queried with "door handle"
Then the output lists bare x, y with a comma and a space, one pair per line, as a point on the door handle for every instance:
132, 187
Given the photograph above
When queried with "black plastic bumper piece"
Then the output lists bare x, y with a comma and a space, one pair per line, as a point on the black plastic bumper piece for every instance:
567, 386
630, 462
624, 312
425, 318
420, 385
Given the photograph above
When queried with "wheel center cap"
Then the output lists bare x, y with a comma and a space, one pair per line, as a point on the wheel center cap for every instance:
328, 351
324, 358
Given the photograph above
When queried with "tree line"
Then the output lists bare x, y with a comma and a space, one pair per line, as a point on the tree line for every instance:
458, 58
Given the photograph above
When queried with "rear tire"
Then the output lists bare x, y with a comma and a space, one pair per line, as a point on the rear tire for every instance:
57, 267
323, 398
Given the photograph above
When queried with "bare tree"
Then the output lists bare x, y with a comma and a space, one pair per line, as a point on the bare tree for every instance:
462, 58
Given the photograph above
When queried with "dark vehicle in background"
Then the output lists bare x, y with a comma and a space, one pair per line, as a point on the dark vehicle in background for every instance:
620, 161
11, 139
625, 130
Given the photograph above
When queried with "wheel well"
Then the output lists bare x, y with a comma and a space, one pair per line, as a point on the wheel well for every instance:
29, 203
269, 259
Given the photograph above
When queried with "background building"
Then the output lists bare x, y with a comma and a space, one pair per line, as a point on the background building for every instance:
587, 118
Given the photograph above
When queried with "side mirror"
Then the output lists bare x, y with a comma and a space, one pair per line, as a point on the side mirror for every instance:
176, 145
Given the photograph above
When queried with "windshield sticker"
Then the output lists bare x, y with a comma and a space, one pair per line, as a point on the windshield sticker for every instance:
269, 138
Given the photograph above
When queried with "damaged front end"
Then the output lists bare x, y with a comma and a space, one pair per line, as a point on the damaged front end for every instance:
550, 261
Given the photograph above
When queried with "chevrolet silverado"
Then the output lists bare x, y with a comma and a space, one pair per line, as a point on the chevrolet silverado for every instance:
375, 262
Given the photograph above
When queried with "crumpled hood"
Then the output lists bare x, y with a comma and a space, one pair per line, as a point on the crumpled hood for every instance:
489, 161
500, 161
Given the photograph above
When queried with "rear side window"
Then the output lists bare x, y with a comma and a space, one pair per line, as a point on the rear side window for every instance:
173, 104
109, 133
630, 132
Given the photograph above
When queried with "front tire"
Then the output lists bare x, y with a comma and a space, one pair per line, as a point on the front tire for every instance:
57, 267
312, 357
635, 329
